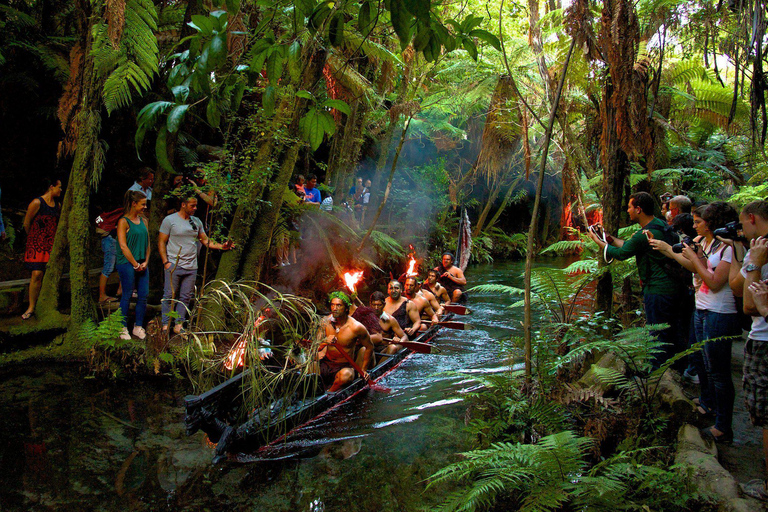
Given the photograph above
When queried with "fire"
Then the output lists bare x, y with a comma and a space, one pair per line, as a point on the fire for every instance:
236, 356
352, 278
411, 268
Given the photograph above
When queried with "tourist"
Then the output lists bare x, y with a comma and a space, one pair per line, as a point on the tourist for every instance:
754, 269
298, 186
177, 244
435, 288
312, 194
106, 228
661, 293
665, 214
366, 200
40, 225
423, 305
679, 204
401, 309
341, 332
716, 319
451, 277
132, 260
144, 183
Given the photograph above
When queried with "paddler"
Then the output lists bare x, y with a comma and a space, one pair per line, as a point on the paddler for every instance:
431, 285
389, 326
371, 320
342, 332
401, 309
423, 306
451, 277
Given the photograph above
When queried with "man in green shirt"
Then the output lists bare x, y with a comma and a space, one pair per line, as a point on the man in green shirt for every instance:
661, 293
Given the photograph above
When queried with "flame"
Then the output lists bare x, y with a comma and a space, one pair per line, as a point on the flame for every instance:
412, 271
236, 356
352, 278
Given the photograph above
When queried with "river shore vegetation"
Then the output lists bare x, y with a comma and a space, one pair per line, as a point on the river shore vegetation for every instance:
537, 117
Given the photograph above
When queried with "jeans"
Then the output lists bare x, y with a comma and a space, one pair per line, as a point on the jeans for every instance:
717, 384
666, 309
109, 246
179, 286
130, 279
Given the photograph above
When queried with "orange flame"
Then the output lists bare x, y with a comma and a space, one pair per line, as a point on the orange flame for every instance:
236, 356
352, 278
412, 270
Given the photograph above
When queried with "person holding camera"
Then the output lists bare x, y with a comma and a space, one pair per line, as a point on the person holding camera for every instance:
661, 292
716, 318
745, 281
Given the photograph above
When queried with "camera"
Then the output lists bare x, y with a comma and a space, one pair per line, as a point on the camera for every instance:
687, 240
597, 229
730, 231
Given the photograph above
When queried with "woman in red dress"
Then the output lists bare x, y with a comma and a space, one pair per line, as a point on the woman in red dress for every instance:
40, 224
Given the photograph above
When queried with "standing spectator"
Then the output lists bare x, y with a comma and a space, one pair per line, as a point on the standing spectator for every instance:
754, 269
716, 319
661, 294
132, 260
312, 194
678, 205
144, 183
298, 186
40, 224
2, 226
357, 190
177, 243
106, 228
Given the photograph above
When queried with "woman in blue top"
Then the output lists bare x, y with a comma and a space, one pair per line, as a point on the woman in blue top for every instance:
132, 259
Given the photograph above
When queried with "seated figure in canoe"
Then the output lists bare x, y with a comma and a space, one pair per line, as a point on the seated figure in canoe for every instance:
423, 304
346, 344
401, 309
435, 288
390, 329
451, 277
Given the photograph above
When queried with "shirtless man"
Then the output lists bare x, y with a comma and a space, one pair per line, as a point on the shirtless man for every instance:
452, 278
423, 304
403, 310
342, 332
389, 326
435, 288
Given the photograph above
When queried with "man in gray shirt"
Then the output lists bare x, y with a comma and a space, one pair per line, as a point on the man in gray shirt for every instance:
177, 244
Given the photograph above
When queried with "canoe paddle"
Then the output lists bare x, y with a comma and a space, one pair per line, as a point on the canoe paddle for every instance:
369, 380
457, 309
461, 326
416, 346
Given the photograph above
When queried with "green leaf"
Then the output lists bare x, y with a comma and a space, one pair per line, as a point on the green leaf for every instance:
212, 113
318, 16
175, 117
165, 356
306, 95
339, 105
274, 67
420, 9
401, 21
364, 18
233, 5
218, 52
336, 29
328, 123
180, 93
294, 60
487, 37
268, 100
161, 150
470, 23
432, 53
312, 128
237, 95
422, 38
202, 24
469, 45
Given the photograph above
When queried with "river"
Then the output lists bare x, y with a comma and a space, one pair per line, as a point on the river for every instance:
68, 443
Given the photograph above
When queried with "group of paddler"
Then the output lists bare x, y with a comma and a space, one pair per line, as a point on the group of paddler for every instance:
353, 333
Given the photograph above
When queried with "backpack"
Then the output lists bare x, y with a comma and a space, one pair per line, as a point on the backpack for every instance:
107, 221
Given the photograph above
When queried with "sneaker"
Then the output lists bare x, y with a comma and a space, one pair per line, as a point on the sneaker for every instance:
124, 334
139, 332
690, 375
756, 489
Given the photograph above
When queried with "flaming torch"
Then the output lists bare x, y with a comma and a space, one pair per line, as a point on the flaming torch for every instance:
351, 279
236, 356
412, 269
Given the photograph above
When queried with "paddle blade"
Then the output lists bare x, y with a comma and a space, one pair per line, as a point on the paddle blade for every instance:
417, 346
378, 387
461, 326
456, 309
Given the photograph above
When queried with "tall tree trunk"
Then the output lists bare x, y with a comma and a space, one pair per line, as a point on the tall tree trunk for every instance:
505, 202
487, 209
48, 301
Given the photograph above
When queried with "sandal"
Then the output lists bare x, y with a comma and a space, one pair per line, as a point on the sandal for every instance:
27, 315
108, 300
723, 438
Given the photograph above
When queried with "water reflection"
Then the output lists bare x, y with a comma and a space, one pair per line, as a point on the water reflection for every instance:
67, 443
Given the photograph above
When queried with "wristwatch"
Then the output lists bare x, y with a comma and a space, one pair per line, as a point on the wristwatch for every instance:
751, 267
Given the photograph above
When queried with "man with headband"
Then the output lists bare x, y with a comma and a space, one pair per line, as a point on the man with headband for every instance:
342, 332
451, 277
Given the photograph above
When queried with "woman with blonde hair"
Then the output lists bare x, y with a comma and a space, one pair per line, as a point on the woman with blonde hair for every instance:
132, 259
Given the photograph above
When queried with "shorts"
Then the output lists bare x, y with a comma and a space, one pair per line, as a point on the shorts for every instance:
109, 246
329, 369
756, 381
